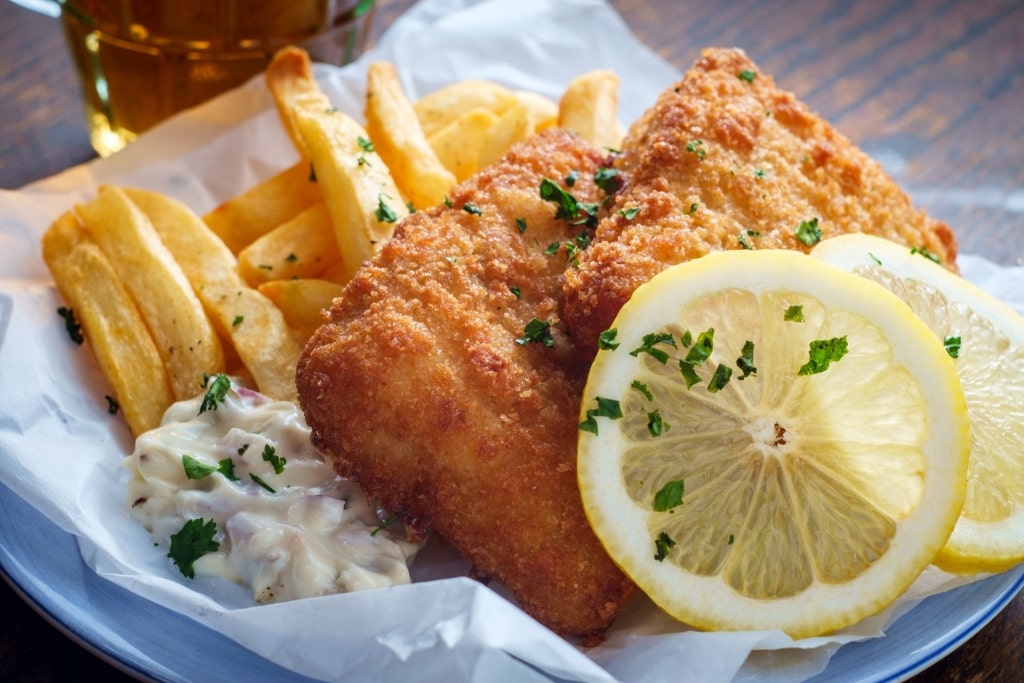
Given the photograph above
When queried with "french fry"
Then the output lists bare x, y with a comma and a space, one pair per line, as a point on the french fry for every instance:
187, 342
441, 107
111, 322
302, 301
590, 108
290, 80
543, 112
303, 247
255, 327
243, 219
458, 144
511, 127
395, 131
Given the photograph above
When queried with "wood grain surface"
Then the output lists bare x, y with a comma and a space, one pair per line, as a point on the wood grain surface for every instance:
932, 89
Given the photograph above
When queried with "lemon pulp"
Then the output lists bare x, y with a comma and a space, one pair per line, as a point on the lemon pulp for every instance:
802, 501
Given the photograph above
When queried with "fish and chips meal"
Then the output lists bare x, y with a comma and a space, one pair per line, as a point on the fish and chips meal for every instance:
715, 356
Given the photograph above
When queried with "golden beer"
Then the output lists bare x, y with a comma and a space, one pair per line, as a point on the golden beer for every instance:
141, 61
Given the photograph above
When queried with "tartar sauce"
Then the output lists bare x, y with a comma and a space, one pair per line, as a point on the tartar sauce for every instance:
286, 525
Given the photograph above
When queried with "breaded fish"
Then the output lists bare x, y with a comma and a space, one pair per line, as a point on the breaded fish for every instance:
445, 384
726, 160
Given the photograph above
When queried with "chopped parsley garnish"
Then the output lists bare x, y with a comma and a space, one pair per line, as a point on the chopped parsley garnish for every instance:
566, 205
227, 466
721, 377
471, 208
794, 314
516, 291
746, 360
747, 75
689, 373
521, 225
696, 147
538, 331
669, 496
656, 425
743, 239
259, 480
384, 213
71, 324
693, 208
608, 179
243, 448
239, 319
952, 346
410, 207
760, 173
701, 351
571, 179
808, 232
447, 201
195, 469
874, 258
270, 455
732, 538
365, 144
606, 340
924, 252
662, 544
553, 248
642, 388
291, 258
216, 391
386, 523
822, 353
194, 540
113, 407
630, 213
606, 407
650, 340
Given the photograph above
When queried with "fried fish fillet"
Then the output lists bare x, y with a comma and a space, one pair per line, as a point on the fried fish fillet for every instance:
445, 384
726, 160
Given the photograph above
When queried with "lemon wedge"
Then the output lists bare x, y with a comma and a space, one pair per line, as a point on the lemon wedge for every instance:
769, 442
987, 338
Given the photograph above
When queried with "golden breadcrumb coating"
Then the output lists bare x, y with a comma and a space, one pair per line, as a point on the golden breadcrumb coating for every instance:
419, 387
726, 160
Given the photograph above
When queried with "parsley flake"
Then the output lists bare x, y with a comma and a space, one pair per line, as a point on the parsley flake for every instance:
217, 391
696, 147
538, 331
952, 346
649, 342
608, 179
669, 496
746, 360
516, 291
606, 340
822, 353
630, 213
365, 144
723, 373
808, 232
571, 179
927, 254
521, 225
263, 484
386, 523
71, 324
194, 540
270, 455
606, 407
662, 544
656, 425
566, 205
195, 469
384, 213
794, 314
472, 209
642, 388
747, 75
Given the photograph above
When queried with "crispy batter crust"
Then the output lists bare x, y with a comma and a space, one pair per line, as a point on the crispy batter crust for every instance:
721, 158
419, 388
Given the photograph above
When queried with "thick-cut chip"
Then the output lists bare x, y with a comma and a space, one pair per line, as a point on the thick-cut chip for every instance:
395, 131
357, 186
186, 340
113, 326
242, 219
441, 107
514, 125
254, 326
302, 301
590, 108
303, 247
458, 144
543, 111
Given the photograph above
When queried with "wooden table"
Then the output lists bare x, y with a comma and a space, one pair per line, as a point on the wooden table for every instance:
934, 90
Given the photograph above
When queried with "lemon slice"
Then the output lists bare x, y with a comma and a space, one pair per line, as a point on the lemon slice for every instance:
987, 337
800, 476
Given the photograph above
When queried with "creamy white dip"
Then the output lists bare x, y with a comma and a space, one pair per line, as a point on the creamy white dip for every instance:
315, 534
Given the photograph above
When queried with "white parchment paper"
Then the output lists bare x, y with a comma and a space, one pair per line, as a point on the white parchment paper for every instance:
62, 452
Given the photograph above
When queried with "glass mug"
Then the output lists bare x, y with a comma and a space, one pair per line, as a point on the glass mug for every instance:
140, 61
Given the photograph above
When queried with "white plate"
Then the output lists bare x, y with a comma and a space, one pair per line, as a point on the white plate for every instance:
44, 565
